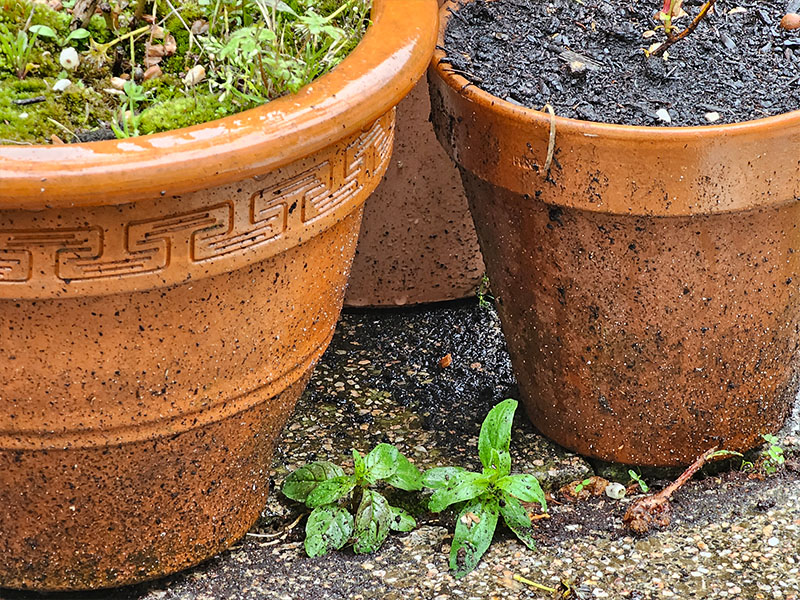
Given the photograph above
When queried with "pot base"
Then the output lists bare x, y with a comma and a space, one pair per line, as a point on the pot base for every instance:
156, 506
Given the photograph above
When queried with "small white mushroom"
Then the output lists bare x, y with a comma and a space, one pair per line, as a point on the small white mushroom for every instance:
615, 491
69, 59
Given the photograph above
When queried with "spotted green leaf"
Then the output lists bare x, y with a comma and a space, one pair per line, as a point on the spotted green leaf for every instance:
401, 520
517, 519
525, 487
474, 532
406, 477
300, 483
373, 521
331, 491
496, 432
328, 528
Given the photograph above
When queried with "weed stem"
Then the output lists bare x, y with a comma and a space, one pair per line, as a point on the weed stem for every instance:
671, 39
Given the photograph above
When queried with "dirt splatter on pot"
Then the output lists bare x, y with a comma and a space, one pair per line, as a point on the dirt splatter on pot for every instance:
647, 283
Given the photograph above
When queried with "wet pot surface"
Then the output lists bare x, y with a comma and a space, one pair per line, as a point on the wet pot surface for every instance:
645, 340
646, 277
163, 301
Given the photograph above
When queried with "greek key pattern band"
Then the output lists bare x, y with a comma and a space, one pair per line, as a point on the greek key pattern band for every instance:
290, 203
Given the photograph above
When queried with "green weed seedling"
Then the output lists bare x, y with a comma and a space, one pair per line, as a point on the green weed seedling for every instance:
484, 297
485, 497
638, 479
773, 455
324, 487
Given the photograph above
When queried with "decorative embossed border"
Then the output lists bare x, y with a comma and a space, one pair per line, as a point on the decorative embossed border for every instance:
138, 246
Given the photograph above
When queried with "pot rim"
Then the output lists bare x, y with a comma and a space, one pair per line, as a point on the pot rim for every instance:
381, 70
688, 134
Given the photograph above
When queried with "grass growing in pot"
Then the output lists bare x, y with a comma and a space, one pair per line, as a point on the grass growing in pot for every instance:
78, 71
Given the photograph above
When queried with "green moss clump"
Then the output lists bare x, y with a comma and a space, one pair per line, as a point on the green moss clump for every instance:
99, 29
55, 20
59, 112
184, 111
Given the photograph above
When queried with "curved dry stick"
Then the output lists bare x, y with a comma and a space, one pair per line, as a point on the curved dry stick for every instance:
692, 26
551, 143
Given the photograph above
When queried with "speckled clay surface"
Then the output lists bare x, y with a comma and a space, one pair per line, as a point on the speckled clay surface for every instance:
648, 283
153, 345
417, 242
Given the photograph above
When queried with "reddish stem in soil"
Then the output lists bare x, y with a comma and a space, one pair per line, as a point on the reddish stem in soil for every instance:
687, 474
692, 26
654, 511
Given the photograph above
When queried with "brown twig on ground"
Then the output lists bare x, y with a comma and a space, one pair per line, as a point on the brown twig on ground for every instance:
82, 12
654, 510
671, 39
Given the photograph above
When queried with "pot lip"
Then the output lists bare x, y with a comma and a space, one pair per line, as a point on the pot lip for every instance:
678, 135
369, 82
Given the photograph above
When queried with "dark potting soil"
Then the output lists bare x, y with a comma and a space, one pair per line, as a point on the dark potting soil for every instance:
738, 63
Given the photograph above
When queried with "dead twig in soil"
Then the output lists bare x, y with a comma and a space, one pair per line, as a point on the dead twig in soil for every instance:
82, 12
551, 144
654, 510
672, 38
27, 101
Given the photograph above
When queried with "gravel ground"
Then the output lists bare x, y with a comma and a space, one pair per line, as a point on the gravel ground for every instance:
733, 535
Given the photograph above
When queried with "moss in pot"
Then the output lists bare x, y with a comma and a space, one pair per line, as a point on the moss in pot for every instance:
95, 71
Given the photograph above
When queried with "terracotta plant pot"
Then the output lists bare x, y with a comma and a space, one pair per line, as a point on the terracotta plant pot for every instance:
417, 242
163, 301
647, 284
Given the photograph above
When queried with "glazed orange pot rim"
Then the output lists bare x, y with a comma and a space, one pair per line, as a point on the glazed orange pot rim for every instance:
512, 111
381, 70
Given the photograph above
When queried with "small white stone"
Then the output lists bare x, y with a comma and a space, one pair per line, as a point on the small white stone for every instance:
117, 83
712, 117
69, 59
195, 75
773, 541
663, 115
61, 85
615, 491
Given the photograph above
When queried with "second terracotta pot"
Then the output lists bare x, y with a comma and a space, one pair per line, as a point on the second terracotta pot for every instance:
646, 282
417, 242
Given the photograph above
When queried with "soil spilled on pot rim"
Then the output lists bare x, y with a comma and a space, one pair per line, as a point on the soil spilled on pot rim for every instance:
589, 60
85, 70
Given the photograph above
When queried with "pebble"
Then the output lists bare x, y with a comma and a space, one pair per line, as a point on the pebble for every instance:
195, 75
663, 115
712, 117
790, 21
61, 85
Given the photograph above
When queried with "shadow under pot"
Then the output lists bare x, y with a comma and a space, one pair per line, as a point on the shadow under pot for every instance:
163, 301
647, 281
